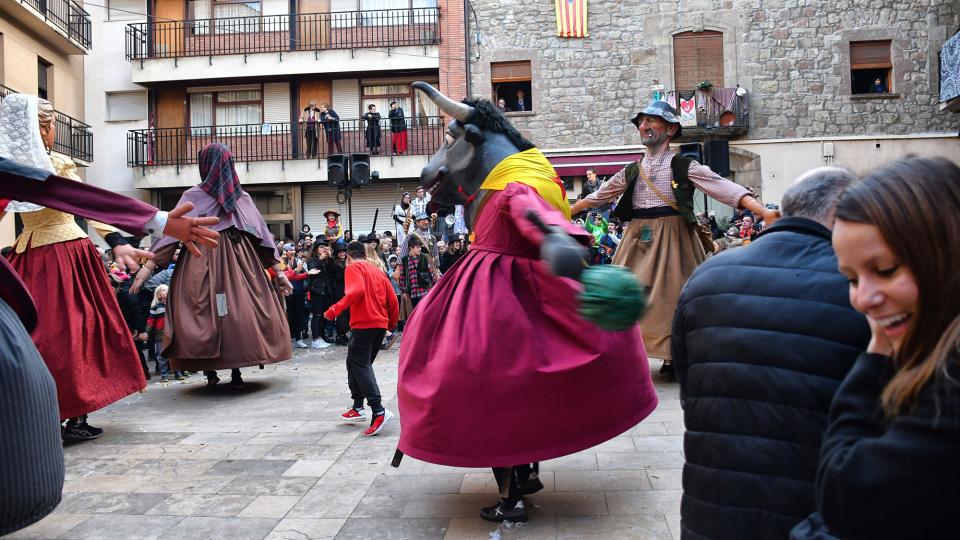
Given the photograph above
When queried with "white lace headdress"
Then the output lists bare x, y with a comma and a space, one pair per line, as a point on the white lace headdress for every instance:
20, 139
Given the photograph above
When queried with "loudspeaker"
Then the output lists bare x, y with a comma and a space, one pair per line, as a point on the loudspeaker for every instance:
693, 151
717, 156
337, 170
360, 169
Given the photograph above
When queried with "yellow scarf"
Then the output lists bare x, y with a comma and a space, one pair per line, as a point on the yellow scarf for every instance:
530, 167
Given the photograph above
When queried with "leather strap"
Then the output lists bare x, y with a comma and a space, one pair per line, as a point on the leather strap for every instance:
655, 190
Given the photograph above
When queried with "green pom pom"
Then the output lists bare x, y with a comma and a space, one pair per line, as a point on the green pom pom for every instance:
612, 298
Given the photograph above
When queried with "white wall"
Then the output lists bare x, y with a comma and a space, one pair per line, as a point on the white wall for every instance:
107, 70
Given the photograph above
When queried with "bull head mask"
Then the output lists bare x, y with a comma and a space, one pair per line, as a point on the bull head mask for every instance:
455, 173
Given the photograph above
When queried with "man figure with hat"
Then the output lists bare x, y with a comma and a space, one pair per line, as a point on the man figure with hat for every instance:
661, 244
333, 229
424, 235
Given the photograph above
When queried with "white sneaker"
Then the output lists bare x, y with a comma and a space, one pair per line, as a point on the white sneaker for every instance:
301, 344
379, 422
319, 344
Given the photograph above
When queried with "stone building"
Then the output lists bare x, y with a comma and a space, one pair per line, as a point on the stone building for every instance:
806, 70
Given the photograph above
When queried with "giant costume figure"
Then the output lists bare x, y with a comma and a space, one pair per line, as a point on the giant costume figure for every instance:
31, 452
661, 244
496, 368
223, 312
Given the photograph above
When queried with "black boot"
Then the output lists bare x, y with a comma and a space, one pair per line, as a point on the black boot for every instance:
236, 380
212, 378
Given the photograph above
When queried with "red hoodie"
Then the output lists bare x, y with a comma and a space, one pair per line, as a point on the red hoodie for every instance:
369, 297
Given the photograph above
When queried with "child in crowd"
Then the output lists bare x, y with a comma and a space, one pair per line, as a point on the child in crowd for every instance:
155, 324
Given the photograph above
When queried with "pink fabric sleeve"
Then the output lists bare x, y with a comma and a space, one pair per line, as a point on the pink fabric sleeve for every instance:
520, 198
78, 199
716, 186
610, 190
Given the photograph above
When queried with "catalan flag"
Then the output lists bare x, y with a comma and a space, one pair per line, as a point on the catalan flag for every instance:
571, 18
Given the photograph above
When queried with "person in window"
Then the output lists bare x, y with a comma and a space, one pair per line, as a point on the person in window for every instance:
521, 102
331, 126
878, 87
372, 117
398, 128
502, 105
308, 123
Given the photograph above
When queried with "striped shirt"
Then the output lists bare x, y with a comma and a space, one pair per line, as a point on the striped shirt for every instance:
657, 169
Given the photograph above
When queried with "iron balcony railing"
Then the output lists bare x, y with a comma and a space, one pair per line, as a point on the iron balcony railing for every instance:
276, 142
67, 15
711, 112
73, 138
283, 33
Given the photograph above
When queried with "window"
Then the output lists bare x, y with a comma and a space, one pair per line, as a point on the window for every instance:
511, 83
231, 16
697, 57
231, 111
373, 13
126, 106
44, 79
382, 94
126, 10
870, 67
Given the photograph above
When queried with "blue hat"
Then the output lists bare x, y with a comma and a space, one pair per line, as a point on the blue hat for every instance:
660, 109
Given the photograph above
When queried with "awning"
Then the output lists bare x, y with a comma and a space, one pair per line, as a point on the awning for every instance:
604, 164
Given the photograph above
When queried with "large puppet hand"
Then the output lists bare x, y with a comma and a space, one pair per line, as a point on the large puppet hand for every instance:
283, 284
191, 230
129, 256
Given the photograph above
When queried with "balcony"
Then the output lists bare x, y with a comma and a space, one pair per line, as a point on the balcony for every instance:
73, 138
295, 43
274, 153
717, 113
64, 22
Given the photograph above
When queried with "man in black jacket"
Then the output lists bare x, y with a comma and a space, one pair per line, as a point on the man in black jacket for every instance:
762, 338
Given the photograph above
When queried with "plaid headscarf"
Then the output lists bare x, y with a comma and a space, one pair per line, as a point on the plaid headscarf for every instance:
220, 179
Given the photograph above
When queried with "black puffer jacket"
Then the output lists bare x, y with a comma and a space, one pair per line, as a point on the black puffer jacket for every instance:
762, 338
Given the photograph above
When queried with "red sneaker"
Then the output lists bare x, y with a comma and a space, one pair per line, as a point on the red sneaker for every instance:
353, 415
379, 422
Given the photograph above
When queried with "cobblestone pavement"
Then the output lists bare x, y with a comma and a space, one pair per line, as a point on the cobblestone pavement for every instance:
271, 460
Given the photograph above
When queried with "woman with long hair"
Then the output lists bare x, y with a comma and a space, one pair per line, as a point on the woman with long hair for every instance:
401, 213
224, 312
889, 464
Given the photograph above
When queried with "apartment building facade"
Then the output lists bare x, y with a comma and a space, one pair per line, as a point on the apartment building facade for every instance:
789, 84
175, 75
43, 45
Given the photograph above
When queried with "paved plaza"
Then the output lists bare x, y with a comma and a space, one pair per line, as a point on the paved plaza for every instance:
271, 460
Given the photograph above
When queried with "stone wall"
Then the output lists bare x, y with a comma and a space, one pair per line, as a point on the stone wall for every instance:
792, 55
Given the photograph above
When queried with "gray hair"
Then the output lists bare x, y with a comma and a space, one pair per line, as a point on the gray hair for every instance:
815, 194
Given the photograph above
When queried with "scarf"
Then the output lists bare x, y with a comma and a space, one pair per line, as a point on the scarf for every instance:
531, 168
220, 179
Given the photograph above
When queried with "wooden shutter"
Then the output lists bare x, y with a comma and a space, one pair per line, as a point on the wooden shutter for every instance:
697, 57
510, 71
870, 55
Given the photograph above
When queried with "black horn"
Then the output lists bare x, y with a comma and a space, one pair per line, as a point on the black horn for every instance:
459, 111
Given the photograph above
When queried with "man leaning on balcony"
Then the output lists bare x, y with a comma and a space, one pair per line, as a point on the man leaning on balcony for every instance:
331, 126
661, 244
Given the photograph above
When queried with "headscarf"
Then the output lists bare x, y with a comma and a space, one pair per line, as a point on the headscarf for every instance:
220, 179
20, 140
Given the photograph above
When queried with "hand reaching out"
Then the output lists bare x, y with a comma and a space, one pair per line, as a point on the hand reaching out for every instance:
190, 230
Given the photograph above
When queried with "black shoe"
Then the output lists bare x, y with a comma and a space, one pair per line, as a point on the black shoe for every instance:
342, 340
531, 486
667, 371
80, 432
236, 381
498, 514
212, 380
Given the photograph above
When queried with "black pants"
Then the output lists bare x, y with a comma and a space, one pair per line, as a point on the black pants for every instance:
361, 352
296, 305
311, 138
511, 480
